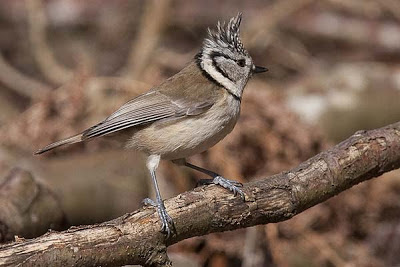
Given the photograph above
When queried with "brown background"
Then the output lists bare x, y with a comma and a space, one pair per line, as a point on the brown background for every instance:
334, 69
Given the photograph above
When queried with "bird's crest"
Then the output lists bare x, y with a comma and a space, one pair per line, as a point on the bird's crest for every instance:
226, 36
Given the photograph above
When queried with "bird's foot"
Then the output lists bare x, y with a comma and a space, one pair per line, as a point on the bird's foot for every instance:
166, 220
233, 186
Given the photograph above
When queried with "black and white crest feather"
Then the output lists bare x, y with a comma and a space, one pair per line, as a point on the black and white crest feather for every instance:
223, 58
226, 36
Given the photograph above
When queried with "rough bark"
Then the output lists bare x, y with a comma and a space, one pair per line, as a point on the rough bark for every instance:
135, 238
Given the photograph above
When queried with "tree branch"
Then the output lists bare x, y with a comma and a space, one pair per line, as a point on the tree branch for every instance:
135, 238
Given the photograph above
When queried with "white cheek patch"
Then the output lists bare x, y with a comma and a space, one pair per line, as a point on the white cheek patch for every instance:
207, 65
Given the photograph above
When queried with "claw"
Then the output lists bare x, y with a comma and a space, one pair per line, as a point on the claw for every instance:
149, 202
226, 183
166, 220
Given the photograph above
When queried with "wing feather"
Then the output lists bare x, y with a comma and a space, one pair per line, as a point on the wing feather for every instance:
145, 109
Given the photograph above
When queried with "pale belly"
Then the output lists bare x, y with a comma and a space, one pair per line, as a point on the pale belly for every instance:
187, 136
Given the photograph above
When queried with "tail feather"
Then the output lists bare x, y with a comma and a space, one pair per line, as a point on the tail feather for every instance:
71, 140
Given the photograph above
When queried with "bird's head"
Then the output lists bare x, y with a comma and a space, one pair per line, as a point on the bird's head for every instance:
224, 59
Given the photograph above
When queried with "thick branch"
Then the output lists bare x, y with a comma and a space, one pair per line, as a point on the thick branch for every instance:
135, 238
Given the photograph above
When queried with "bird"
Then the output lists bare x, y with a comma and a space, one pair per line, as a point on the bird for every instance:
186, 114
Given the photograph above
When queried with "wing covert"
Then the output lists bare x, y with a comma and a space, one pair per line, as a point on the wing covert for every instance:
145, 109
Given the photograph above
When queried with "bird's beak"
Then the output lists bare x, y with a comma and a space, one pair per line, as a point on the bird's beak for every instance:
258, 69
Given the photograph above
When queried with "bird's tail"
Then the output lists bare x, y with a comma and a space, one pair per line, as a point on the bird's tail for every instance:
71, 140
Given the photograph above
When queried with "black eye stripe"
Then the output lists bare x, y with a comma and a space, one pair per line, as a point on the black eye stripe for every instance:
217, 54
198, 58
220, 70
241, 62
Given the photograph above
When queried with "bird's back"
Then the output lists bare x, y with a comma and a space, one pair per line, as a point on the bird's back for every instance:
191, 110
206, 124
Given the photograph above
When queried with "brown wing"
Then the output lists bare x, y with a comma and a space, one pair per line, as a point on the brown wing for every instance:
187, 93
145, 109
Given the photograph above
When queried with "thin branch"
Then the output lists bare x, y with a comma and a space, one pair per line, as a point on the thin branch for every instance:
135, 238
100, 83
20, 83
353, 30
270, 18
391, 6
42, 52
151, 25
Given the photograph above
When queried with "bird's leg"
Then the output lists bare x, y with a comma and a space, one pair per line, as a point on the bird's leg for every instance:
217, 179
166, 220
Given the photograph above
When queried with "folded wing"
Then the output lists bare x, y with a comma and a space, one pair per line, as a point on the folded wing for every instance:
145, 109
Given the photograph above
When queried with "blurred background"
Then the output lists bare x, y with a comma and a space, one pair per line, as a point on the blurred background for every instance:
334, 69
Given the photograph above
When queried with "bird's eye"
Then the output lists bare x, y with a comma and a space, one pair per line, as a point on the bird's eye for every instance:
241, 62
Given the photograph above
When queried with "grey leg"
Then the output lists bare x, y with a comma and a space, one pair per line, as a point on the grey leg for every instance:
216, 178
166, 221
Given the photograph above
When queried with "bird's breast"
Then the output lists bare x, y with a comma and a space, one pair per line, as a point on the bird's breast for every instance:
190, 135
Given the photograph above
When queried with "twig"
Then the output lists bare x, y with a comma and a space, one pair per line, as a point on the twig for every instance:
135, 238
277, 253
99, 83
250, 245
324, 248
270, 18
381, 35
42, 53
356, 8
151, 25
19, 82
391, 6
